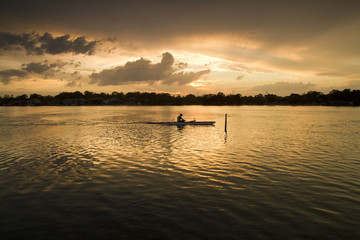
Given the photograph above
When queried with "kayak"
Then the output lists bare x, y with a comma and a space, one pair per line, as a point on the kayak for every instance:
183, 123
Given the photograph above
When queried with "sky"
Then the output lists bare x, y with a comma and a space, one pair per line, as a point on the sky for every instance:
179, 47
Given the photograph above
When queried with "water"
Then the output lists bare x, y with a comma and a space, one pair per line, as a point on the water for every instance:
99, 173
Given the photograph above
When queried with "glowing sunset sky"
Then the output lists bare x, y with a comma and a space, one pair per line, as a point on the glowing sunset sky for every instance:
196, 47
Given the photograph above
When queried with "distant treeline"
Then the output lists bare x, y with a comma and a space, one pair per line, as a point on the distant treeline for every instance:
346, 97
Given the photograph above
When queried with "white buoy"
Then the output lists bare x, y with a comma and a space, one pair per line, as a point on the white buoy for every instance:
225, 122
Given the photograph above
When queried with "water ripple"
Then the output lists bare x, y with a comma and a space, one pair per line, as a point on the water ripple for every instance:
96, 175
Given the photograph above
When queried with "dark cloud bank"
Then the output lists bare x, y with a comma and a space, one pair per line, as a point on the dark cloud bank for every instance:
279, 21
36, 44
143, 71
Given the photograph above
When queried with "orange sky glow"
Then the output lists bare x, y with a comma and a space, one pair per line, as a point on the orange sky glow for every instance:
192, 47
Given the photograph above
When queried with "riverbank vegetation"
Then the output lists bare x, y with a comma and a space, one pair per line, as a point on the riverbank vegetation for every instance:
347, 97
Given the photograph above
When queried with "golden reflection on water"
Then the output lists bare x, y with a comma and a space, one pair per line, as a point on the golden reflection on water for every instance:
270, 159
115, 137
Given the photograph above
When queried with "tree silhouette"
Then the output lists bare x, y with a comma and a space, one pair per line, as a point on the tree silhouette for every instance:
347, 97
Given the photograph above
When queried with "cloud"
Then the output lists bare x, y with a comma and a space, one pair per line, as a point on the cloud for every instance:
76, 75
284, 88
36, 67
74, 82
240, 77
274, 17
44, 69
355, 84
35, 44
143, 71
183, 78
8, 75
346, 72
330, 74
285, 37
181, 65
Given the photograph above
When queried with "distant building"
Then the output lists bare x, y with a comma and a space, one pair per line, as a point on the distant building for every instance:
74, 102
340, 103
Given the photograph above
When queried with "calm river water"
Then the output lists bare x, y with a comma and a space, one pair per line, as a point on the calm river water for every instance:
280, 172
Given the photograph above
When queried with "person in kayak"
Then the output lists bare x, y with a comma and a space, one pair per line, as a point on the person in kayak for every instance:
180, 119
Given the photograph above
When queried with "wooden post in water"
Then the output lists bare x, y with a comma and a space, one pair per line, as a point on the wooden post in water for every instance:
225, 122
